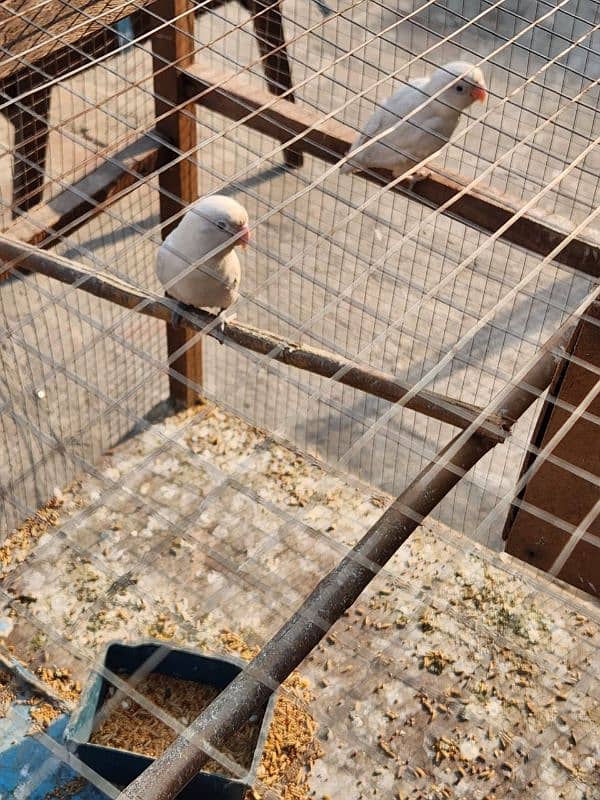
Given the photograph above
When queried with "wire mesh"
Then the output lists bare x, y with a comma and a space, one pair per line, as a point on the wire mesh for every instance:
201, 522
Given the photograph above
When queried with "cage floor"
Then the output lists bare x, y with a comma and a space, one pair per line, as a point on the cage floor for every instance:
460, 673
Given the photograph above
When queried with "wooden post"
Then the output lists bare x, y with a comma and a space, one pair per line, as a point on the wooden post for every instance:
555, 489
268, 29
30, 119
175, 44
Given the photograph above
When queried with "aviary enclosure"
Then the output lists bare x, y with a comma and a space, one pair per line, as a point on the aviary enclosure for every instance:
381, 476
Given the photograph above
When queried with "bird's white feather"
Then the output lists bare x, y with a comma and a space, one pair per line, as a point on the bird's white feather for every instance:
411, 140
212, 282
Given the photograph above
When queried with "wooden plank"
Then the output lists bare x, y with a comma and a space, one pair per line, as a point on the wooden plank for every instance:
31, 30
555, 489
268, 31
310, 359
237, 98
86, 198
178, 183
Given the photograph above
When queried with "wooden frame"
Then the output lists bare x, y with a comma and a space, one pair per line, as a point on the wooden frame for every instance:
25, 258
179, 85
64, 39
120, 173
178, 183
557, 497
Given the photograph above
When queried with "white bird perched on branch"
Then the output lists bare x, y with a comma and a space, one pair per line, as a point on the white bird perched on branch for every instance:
410, 141
215, 223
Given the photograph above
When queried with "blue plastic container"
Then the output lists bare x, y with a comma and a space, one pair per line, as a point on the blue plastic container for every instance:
121, 767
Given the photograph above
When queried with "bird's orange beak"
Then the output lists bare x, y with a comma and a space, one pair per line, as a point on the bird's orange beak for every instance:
478, 93
244, 238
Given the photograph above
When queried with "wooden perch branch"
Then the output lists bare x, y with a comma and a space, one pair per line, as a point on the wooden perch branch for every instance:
310, 359
481, 207
90, 195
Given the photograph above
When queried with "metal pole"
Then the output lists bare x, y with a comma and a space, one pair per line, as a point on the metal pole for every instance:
170, 773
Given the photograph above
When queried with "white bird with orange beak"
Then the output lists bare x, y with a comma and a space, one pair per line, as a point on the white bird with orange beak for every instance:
215, 223
452, 89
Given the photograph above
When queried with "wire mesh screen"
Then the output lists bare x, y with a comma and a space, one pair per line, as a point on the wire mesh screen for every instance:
74, 369
380, 279
208, 528
338, 263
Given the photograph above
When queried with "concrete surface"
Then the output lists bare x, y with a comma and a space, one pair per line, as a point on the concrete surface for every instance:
459, 673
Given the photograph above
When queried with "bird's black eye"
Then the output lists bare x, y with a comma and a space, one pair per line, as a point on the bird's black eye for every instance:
459, 88
221, 226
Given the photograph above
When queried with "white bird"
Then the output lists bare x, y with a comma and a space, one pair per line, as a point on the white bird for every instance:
214, 222
412, 140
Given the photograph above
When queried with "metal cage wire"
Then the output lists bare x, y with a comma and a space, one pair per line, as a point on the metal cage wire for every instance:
380, 279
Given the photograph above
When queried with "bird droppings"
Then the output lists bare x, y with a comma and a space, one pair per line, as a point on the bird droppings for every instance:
459, 644
435, 662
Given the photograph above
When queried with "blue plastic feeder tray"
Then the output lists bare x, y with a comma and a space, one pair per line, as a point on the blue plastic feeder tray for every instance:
121, 767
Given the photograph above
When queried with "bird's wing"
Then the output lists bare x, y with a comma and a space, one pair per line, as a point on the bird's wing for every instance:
168, 262
419, 83
182, 247
406, 99
379, 121
389, 116
404, 133
371, 129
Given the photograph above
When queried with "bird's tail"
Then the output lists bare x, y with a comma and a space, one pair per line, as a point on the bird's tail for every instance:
347, 167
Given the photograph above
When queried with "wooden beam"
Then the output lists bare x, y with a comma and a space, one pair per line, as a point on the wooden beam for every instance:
562, 495
268, 31
320, 362
31, 31
52, 56
77, 204
239, 99
175, 45
43, 65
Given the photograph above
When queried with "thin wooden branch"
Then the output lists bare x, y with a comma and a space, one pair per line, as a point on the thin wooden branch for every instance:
483, 208
90, 195
333, 595
320, 362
